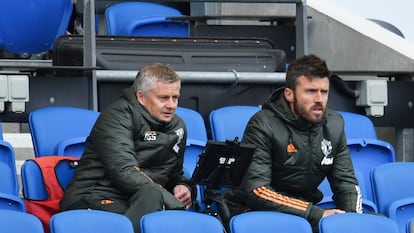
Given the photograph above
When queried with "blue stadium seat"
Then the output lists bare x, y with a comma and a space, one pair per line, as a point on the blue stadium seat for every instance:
9, 186
72, 146
196, 128
358, 126
367, 151
196, 140
393, 189
57, 130
327, 202
31, 26
90, 221
268, 221
179, 221
357, 223
192, 152
33, 185
367, 154
143, 19
229, 122
196, 136
19, 222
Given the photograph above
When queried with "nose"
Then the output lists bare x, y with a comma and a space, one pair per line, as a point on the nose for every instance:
171, 103
319, 96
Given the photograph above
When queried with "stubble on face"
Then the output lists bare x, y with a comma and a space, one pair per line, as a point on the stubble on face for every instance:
310, 98
313, 114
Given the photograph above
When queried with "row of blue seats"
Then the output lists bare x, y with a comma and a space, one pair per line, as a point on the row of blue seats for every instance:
24, 20
390, 181
226, 123
176, 221
63, 131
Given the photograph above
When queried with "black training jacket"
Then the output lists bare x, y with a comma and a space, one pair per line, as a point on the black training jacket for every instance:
127, 149
291, 159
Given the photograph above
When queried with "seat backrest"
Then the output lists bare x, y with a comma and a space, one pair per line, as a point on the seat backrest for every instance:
9, 185
179, 221
196, 128
268, 221
392, 182
196, 136
193, 149
196, 140
358, 126
402, 212
367, 154
357, 223
328, 203
8, 174
51, 126
31, 27
33, 184
143, 19
191, 155
90, 221
394, 192
44, 181
19, 222
72, 146
229, 122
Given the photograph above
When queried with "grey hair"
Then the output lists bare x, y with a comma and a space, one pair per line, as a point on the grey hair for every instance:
152, 73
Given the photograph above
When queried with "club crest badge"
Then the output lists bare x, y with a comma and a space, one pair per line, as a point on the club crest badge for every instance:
180, 134
326, 147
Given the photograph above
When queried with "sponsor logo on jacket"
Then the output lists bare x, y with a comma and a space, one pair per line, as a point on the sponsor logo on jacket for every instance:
150, 136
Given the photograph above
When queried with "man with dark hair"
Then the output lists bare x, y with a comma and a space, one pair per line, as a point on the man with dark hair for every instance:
298, 143
133, 160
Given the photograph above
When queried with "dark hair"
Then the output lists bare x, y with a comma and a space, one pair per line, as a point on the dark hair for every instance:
309, 66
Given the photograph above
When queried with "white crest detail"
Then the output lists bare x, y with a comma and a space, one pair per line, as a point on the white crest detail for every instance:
180, 134
326, 147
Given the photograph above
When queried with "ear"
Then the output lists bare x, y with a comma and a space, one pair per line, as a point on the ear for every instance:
140, 97
289, 95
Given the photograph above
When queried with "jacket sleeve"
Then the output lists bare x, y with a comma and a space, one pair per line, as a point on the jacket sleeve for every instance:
258, 178
347, 194
113, 140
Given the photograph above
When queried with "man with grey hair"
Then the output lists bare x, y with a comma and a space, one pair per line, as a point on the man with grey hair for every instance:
133, 160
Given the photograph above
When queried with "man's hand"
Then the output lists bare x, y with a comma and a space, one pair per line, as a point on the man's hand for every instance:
332, 212
182, 193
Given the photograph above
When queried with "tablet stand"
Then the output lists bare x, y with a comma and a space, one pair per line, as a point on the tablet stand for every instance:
215, 196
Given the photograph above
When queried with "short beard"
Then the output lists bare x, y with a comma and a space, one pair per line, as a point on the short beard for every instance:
306, 114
